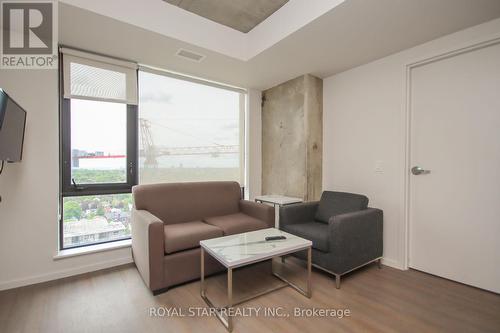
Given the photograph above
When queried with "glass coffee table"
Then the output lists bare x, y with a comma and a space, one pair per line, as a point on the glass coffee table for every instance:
248, 248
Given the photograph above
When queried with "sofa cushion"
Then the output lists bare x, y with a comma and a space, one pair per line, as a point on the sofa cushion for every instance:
236, 223
316, 232
336, 203
187, 235
190, 201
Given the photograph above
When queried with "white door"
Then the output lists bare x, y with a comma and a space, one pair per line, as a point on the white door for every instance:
455, 133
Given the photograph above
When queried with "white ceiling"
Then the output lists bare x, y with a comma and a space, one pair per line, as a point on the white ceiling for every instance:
322, 41
171, 21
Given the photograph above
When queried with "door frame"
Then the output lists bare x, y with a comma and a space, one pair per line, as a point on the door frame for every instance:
407, 128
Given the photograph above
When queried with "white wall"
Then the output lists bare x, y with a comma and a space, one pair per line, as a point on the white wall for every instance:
29, 190
364, 125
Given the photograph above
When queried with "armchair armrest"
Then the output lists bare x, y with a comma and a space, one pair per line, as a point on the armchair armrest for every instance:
148, 247
259, 211
356, 238
298, 213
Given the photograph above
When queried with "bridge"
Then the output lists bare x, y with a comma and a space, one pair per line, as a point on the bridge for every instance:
213, 151
151, 152
201, 150
171, 151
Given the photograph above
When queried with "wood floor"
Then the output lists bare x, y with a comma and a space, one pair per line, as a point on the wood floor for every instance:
379, 300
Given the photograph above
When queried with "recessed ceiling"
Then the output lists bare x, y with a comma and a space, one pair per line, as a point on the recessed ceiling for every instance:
284, 46
175, 22
242, 15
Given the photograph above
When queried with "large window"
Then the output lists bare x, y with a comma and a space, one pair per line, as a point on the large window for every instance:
99, 150
189, 131
115, 135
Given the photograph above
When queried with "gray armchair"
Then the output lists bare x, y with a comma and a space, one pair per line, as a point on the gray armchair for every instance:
346, 233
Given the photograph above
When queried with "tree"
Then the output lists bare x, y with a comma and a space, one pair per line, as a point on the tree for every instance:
100, 211
72, 210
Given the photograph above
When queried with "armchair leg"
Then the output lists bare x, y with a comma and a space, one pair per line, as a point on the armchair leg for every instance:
337, 281
379, 263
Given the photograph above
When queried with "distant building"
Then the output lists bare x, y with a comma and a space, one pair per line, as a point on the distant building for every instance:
116, 214
76, 154
79, 232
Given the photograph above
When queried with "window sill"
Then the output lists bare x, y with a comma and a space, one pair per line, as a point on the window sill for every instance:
68, 253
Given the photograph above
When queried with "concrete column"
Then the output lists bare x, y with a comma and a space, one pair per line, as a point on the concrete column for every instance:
292, 137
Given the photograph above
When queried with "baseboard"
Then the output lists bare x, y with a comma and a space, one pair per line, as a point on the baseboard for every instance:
64, 273
103, 265
392, 263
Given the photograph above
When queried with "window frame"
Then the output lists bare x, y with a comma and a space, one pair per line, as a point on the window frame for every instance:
67, 189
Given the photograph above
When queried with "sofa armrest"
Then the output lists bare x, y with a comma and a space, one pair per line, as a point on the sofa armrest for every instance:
298, 213
356, 238
259, 211
148, 247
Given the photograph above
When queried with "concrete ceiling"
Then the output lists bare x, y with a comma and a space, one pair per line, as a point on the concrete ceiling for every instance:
354, 33
242, 15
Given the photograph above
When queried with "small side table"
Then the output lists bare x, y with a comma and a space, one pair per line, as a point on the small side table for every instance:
277, 201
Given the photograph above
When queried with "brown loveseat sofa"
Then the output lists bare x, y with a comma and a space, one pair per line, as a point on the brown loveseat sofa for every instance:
169, 220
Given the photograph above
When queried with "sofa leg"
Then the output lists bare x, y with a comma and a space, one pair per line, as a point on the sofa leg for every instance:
379, 263
337, 281
159, 291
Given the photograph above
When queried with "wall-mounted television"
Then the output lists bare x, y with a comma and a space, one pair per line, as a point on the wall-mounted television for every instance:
12, 125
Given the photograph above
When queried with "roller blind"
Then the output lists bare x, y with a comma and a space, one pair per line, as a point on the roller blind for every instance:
189, 131
95, 77
183, 77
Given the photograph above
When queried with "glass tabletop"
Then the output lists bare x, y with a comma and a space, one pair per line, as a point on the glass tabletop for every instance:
250, 247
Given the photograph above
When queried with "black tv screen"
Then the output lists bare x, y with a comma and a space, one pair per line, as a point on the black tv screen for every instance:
12, 125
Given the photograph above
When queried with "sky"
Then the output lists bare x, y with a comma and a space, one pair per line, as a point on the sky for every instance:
98, 126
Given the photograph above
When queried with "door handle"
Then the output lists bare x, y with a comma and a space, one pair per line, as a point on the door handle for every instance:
416, 170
